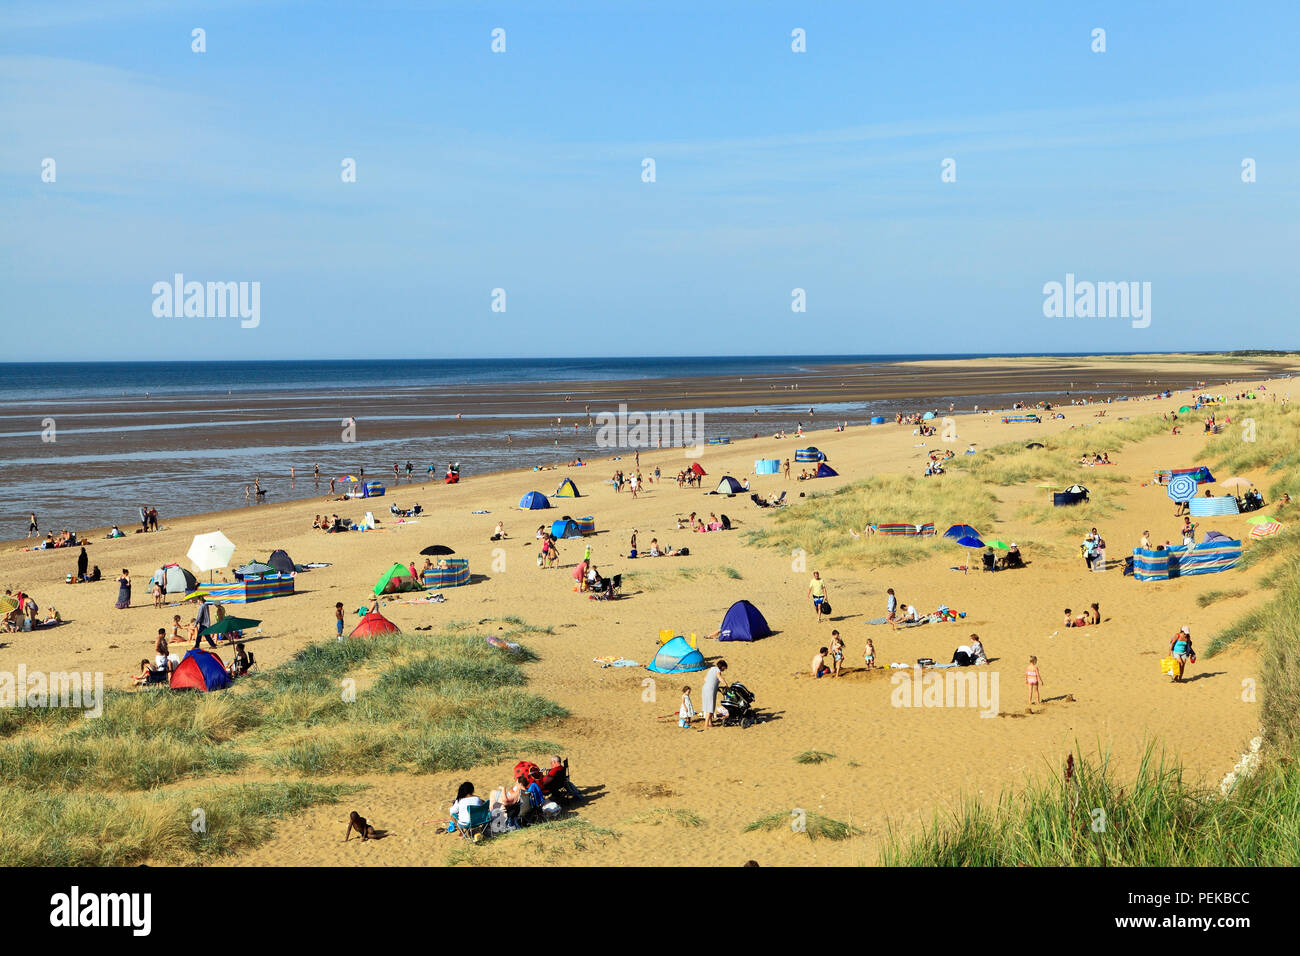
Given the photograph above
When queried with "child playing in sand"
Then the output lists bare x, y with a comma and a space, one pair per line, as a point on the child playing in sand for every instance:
686, 713
358, 823
837, 653
1034, 678
869, 658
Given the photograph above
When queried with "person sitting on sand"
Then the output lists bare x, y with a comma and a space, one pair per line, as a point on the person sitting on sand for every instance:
819, 668
241, 663
146, 675
358, 823
52, 617
500, 532
1093, 615
465, 798
977, 654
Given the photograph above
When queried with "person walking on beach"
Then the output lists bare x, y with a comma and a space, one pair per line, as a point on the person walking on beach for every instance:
787, 469
1034, 678
1180, 649
32, 527
817, 591
709, 696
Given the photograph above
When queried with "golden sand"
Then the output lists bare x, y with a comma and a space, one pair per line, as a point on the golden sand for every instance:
1102, 684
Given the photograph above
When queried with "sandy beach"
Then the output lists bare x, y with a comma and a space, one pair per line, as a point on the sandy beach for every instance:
890, 766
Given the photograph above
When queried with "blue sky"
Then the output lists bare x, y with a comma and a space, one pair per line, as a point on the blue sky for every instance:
522, 171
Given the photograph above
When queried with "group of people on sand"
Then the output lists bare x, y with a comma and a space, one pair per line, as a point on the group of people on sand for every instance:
64, 539
166, 660
1096, 459
1091, 617
695, 523
531, 794
26, 615
84, 572
148, 518
328, 523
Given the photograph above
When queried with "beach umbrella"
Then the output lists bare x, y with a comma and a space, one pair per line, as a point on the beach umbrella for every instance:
210, 551
970, 542
959, 531
8, 604
196, 593
228, 625
1235, 483
1047, 485
1000, 545
255, 568
1077, 490
1265, 530
1181, 488
1260, 519
437, 549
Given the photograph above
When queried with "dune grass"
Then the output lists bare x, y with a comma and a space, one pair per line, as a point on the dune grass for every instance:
687, 819
813, 756
545, 844
1262, 436
43, 828
401, 703
820, 526
1155, 819
1214, 597
814, 826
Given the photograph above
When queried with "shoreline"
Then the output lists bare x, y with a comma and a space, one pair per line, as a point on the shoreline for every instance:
417, 423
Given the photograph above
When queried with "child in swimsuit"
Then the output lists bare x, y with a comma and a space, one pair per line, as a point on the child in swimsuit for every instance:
869, 658
1035, 680
837, 653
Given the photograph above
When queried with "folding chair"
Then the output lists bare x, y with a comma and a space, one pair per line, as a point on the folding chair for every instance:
480, 816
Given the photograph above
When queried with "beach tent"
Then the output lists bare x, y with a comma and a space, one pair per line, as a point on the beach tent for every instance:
200, 670
254, 569
175, 579
1184, 410
958, 531
534, 501
677, 657
1205, 507
1070, 496
743, 622
1216, 536
567, 489
281, 561
826, 471
374, 624
566, 528
1207, 558
698, 469
877, 420
395, 579
767, 466
809, 454
927, 416
728, 486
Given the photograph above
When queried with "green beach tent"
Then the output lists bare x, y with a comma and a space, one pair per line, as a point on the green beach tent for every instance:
395, 579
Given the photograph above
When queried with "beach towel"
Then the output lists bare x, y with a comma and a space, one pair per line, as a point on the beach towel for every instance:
878, 620
614, 662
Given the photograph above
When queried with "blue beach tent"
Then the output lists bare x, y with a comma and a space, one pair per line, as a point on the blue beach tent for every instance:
566, 528
743, 622
826, 471
677, 657
533, 501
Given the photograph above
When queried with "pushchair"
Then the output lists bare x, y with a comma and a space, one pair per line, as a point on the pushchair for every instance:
738, 701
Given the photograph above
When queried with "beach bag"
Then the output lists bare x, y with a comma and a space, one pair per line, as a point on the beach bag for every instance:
540, 559
826, 608
1167, 666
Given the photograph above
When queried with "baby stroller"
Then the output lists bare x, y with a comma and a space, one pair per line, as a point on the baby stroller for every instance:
739, 703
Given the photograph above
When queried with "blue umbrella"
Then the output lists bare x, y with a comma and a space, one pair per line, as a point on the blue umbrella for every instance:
970, 542
960, 531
